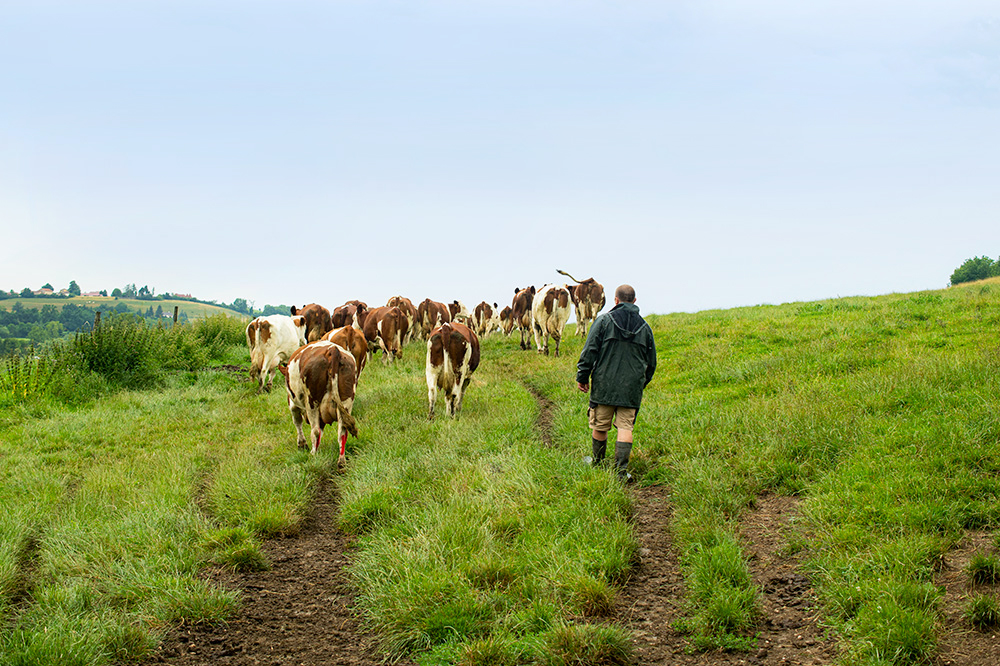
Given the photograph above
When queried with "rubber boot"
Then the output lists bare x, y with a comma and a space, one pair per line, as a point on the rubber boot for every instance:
622, 452
599, 448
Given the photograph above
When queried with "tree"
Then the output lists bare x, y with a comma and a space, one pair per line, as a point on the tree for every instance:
27, 293
48, 313
117, 293
129, 291
75, 316
103, 292
48, 286
977, 268
74, 288
241, 306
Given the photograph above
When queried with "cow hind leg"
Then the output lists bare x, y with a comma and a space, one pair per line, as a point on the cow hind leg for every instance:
317, 435
297, 420
342, 443
431, 399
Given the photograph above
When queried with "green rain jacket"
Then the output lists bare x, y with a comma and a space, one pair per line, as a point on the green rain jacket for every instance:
619, 358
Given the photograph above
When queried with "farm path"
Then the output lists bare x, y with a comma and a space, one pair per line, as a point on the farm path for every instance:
300, 612
652, 601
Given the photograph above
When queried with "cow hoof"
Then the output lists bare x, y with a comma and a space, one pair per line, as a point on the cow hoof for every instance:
341, 464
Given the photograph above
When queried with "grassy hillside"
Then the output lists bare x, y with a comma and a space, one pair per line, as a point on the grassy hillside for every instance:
193, 310
486, 540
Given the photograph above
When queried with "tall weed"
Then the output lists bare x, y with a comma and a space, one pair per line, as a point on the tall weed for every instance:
123, 350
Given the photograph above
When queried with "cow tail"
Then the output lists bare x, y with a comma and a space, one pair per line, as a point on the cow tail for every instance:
347, 420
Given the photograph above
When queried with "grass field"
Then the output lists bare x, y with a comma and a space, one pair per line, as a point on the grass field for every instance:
480, 542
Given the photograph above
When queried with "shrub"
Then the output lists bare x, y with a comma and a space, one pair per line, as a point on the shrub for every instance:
123, 350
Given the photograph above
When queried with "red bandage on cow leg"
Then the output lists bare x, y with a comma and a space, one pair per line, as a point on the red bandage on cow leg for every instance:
343, 443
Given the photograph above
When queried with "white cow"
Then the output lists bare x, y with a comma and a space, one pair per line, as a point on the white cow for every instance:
273, 340
549, 314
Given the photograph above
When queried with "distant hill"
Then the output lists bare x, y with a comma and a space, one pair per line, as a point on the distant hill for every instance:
191, 309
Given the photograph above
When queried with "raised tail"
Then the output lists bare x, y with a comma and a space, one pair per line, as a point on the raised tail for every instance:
562, 272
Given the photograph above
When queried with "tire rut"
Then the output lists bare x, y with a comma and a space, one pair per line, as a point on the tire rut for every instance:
300, 611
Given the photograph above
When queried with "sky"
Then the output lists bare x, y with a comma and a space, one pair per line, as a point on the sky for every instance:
712, 153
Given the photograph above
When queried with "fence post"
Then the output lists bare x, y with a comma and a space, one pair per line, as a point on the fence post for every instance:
176, 308
97, 319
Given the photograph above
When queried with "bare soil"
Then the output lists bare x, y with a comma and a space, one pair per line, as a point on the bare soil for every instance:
961, 644
299, 612
653, 599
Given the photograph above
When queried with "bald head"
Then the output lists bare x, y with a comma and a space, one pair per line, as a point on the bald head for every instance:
625, 294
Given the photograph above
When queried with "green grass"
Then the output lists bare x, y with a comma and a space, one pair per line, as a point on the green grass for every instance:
479, 543
983, 612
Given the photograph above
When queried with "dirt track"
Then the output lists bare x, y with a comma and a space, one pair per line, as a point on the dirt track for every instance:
301, 610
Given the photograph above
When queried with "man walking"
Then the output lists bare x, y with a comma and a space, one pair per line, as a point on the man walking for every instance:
619, 357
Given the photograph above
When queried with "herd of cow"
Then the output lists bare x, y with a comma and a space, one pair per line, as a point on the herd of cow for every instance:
322, 353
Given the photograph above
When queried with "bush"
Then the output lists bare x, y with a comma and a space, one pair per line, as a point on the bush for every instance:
977, 268
123, 350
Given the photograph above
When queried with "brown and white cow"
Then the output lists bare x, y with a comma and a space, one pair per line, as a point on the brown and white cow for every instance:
317, 320
430, 315
272, 340
521, 313
588, 299
506, 320
485, 319
385, 329
549, 314
351, 313
452, 357
353, 341
320, 379
459, 312
409, 311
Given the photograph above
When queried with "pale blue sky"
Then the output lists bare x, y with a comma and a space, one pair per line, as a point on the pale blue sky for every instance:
713, 154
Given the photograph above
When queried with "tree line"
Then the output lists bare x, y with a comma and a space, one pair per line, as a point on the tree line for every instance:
144, 293
977, 268
23, 326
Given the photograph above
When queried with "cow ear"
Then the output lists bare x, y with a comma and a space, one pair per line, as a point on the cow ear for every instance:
495, 306
516, 290
293, 311
532, 290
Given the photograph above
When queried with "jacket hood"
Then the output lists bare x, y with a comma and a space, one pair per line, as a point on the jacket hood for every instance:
627, 319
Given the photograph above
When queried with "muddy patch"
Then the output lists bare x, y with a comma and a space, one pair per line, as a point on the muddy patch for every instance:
790, 631
962, 644
299, 612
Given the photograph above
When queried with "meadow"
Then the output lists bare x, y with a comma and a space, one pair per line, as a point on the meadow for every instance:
487, 540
